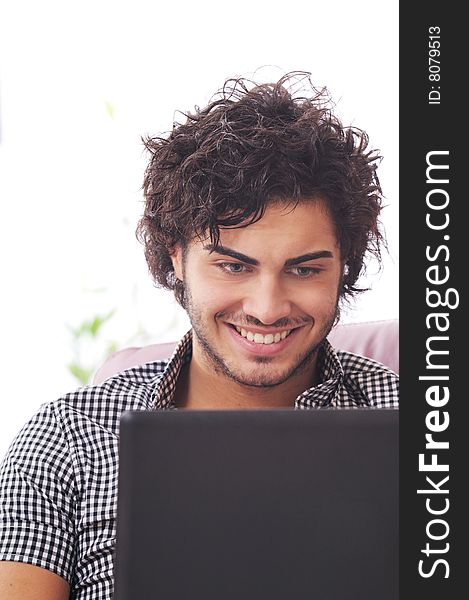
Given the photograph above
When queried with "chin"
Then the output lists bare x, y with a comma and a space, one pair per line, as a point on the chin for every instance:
268, 375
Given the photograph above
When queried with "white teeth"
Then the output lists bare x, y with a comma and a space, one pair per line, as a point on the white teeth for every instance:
258, 338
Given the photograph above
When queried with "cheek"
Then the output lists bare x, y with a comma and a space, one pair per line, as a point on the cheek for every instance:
214, 296
317, 300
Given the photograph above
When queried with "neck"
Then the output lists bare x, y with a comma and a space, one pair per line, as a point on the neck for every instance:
200, 386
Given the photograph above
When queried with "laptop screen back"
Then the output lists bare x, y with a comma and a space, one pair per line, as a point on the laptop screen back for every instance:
257, 504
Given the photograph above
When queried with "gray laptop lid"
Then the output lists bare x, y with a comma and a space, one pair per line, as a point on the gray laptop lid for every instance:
252, 504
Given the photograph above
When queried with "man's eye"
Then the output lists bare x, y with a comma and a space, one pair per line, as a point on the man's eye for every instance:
230, 267
305, 272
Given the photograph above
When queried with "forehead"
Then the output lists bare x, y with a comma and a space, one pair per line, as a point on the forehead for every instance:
286, 230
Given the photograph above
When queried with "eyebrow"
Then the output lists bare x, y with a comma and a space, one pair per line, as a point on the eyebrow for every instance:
252, 261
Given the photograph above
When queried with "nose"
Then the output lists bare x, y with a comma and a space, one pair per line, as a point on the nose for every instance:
267, 301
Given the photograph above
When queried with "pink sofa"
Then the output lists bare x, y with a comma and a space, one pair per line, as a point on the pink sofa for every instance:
375, 339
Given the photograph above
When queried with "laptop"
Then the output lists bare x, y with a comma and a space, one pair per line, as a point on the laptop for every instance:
251, 504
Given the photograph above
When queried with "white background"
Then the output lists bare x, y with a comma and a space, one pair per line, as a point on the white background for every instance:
80, 83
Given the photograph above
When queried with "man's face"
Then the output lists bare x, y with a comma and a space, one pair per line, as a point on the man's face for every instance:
262, 302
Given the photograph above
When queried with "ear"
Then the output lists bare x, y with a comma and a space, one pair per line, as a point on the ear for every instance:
177, 260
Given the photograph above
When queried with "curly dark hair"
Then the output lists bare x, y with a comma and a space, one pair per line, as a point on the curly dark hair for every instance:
254, 144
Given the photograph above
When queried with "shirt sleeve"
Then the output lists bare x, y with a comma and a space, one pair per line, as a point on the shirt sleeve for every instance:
37, 497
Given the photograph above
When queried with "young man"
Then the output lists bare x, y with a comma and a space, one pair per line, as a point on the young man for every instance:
260, 210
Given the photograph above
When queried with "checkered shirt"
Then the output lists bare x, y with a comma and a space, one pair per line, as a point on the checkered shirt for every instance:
58, 481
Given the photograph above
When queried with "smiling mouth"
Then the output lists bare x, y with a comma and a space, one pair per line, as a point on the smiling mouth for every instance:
259, 338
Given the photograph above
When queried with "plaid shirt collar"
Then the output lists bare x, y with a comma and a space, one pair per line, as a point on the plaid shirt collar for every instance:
324, 394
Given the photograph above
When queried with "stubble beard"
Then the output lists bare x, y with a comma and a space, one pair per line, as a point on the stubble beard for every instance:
301, 363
